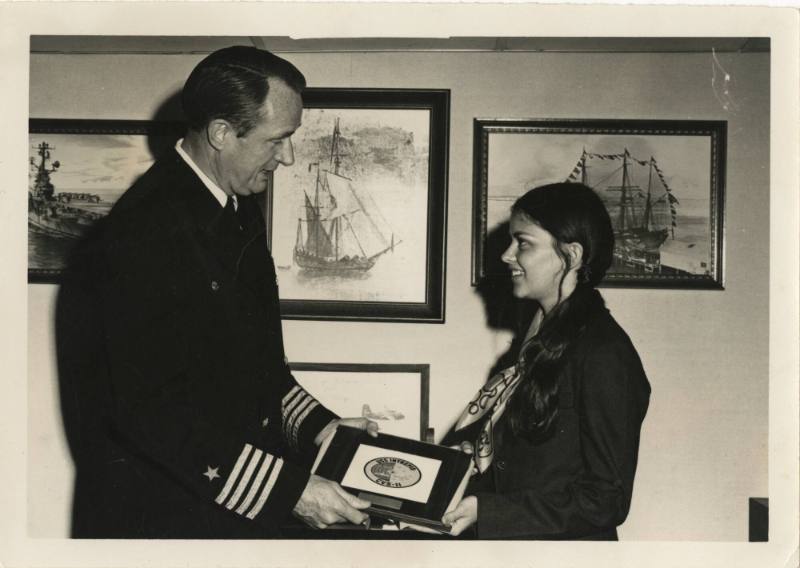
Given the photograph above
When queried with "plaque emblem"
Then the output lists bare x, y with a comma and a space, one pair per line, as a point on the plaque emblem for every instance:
392, 472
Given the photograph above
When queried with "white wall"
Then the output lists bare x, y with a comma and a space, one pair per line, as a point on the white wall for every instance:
704, 444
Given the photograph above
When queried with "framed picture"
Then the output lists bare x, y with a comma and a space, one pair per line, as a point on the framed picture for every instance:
77, 171
394, 396
661, 181
357, 225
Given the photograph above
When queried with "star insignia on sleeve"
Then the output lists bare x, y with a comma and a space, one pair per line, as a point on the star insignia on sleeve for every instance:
211, 473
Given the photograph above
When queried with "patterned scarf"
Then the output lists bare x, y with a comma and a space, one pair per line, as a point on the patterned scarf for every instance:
491, 399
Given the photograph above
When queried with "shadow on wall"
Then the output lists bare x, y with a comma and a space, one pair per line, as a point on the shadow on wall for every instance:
169, 110
503, 312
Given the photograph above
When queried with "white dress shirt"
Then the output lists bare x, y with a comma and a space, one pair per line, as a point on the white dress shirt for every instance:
215, 190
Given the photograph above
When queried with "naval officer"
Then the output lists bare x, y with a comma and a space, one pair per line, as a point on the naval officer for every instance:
181, 412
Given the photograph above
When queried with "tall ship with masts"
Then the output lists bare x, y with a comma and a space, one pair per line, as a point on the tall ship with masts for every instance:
59, 214
643, 215
342, 229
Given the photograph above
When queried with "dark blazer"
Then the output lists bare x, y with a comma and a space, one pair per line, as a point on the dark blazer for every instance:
181, 412
578, 483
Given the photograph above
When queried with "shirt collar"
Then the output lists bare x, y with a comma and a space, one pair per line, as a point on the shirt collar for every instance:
215, 190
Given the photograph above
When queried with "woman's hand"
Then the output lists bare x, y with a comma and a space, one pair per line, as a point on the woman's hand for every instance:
469, 449
466, 447
463, 516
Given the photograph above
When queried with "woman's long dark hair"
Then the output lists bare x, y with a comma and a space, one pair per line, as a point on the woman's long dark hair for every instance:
571, 213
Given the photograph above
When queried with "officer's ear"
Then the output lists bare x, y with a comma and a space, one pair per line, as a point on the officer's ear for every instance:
219, 132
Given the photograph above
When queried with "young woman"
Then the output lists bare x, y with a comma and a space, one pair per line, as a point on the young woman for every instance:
556, 436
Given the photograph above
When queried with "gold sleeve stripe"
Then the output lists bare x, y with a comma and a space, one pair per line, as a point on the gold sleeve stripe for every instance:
292, 420
245, 480
290, 394
290, 405
262, 473
273, 476
234, 473
299, 421
294, 401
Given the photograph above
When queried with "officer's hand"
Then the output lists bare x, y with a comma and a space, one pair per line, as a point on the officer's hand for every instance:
464, 515
324, 503
361, 423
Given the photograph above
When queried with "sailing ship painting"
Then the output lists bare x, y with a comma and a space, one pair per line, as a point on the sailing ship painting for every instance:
348, 219
643, 216
75, 177
343, 230
657, 189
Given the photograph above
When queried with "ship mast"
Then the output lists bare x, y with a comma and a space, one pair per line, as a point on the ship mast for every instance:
583, 167
648, 207
335, 229
623, 196
44, 151
336, 160
42, 186
316, 214
313, 216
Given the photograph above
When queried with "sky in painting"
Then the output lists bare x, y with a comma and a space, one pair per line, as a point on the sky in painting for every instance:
105, 164
518, 161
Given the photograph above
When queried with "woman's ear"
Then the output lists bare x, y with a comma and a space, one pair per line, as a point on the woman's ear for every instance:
575, 254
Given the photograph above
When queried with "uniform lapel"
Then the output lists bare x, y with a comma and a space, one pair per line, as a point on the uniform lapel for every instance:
202, 216
241, 252
255, 262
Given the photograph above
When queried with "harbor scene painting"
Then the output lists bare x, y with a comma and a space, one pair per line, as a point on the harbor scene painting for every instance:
662, 189
77, 171
349, 220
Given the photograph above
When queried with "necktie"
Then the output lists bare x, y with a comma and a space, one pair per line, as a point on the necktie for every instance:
236, 215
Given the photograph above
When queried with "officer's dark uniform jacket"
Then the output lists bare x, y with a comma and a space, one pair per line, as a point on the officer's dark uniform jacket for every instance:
184, 418
578, 483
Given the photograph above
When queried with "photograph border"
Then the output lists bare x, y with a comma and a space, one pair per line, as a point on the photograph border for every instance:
716, 131
432, 310
303, 21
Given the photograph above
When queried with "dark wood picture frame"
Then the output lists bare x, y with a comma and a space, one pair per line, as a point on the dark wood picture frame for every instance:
566, 149
420, 370
59, 211
429, 221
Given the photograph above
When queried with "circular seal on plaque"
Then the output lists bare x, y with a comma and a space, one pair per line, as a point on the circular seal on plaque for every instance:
392, 472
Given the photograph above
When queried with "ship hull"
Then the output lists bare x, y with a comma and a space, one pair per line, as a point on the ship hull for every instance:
641, 238
314, 263
639, 250
56, 227
58, 220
